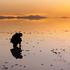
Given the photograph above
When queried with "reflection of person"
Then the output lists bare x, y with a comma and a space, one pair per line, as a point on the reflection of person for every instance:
16, 52
16, 40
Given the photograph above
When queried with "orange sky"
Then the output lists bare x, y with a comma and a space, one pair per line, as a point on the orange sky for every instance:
43, 7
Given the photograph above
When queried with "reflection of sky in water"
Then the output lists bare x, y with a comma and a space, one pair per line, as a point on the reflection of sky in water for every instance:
45, 44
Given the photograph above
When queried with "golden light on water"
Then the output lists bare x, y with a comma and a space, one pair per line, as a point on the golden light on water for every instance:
58, 27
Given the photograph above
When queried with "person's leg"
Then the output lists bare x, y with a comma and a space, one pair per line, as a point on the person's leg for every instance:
19, 45
14, 45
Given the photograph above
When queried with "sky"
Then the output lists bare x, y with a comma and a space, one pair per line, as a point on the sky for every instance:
51, 8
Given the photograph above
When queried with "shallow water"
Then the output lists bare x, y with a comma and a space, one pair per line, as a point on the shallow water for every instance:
45, 45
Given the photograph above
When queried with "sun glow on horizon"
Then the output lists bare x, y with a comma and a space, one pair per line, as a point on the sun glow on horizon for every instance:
46, 7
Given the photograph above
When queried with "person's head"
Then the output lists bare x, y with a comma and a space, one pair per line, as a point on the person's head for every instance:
20, 34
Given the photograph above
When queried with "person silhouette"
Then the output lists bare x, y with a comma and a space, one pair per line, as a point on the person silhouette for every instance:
16, 50
16, 40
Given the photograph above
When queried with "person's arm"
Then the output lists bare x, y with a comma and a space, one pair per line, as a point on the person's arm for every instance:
20, 43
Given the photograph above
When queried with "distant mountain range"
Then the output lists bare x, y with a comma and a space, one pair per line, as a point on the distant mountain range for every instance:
31, 17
